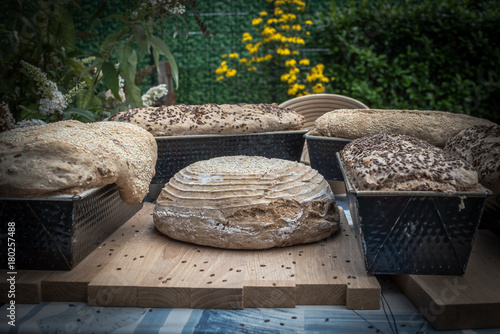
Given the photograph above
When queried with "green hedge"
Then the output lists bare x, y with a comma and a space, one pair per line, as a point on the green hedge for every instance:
438, 55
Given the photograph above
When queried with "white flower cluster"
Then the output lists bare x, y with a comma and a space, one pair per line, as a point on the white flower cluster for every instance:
29, 122
56, 104
154, 94
170, 6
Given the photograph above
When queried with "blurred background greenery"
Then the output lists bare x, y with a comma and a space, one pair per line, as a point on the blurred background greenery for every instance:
406, 54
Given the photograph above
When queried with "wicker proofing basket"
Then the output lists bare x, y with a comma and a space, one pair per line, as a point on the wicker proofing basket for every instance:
315, 105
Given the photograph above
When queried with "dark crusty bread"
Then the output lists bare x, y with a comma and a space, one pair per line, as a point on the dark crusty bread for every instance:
435, 127
69, 157
247, 202
179, 120
404, 163
480, 146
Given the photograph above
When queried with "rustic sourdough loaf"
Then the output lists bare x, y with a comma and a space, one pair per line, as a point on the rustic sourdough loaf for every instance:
70, 157
183, 119
480, 146
404, 163
435, 127
243, 202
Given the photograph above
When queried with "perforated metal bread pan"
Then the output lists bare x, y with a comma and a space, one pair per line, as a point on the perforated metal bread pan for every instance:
415, 232
58, 232
177, 152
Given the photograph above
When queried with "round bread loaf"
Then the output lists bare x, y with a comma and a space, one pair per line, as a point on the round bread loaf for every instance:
404, 163
181, 119
69, 157
480, 146
435, 127
247, 202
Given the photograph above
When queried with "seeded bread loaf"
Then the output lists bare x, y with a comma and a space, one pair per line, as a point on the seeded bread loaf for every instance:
243, 202
404, 163
69, 157
179, 120
435, 127
480, 146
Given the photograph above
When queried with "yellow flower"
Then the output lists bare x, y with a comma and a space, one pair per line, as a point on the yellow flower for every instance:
246, 37
297, 27
285, 27
283, 51
304, 62
278, 11
285, 77
243, 60
309, 22
220, 70
318, 88
271, 21
233, 55
268, 57
231, 73
253, 68
291, 63
263, 13
224, 56
256, 21
219, 78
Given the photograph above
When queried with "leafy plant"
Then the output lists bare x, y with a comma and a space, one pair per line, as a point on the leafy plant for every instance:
415, 54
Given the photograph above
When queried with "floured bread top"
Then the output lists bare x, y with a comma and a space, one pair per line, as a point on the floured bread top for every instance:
404, 163
480, 146
181, 119
242, 180
69, 157
433, 126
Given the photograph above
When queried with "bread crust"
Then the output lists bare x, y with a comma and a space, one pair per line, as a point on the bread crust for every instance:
404, 163
435, 127
181, 119
69, 157
247, 207
480, 146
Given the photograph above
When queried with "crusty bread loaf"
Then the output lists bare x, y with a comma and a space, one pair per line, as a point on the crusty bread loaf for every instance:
70, 157
480, 146
435, 127
179, 120
404, 163
244, 202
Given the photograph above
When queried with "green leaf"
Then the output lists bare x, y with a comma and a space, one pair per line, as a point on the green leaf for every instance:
81, 114
163, 49
110, 78
140, 37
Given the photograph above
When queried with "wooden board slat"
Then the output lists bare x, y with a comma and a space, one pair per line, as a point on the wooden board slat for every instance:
461, 302
138, 266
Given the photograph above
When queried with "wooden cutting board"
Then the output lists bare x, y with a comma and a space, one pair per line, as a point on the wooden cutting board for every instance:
138, 266
461, 302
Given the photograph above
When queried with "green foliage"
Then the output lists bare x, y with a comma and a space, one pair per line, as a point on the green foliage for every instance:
438, 55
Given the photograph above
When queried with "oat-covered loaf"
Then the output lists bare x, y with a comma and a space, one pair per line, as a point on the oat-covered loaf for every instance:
480, 146
243, 202
435, 127
184, 119
69, 157
404, 163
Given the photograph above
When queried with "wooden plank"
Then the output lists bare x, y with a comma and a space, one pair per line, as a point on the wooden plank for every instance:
461, 302
332, 273
27, 289
138, 266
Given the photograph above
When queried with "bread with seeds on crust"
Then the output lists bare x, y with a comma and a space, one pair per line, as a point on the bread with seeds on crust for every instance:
69, 157
404, 163
181, 119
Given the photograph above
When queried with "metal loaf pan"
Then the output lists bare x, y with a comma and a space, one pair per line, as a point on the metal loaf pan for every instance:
415, 232
177, 152
58, 232
322, 152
